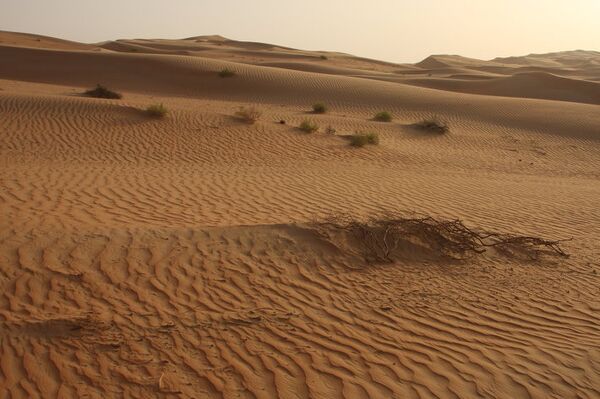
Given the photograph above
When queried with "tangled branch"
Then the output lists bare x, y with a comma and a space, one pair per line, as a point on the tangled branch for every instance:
380, 238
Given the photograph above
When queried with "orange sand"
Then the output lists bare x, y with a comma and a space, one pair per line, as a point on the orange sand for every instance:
174, 258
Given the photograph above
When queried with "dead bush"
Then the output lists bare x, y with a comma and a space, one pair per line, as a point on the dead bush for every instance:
380, 238
434, 125
103, 92
248, 114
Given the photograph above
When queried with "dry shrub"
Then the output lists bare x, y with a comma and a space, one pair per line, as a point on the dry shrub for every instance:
249, 114
226, 73
358, 140
381, 238
319, 108
102, 92
157, 111
362, 139
435, 125
372, 138
383, 116
309, 126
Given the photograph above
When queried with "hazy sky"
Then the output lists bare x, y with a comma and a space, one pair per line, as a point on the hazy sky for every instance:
394, 30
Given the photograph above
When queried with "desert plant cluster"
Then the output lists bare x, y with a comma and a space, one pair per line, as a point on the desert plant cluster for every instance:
103, 92
252, 114
248, 114
309, 126
434, 125
362, 139
383, 116
157, 111
319, 108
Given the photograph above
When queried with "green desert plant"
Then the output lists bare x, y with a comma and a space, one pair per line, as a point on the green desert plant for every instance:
248, 114
309, 126
226, 73
383, 116
433, 125
157, 111
362, 139
319, 108
102, 92
358, 140
372, 138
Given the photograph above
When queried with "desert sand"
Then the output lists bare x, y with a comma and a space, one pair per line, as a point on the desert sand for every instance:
178, 257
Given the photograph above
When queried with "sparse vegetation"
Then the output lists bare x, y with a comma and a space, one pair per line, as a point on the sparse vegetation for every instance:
330, 130
433, 125
324, 57
383, 116
157, 111
319, 108
372, 138
226, 73
358, 140
102, 92
387, 238
362, 139
309, 126
249, 114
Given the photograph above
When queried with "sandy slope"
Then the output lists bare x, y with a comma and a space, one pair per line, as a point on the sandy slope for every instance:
175, 258
527, 85
38, 41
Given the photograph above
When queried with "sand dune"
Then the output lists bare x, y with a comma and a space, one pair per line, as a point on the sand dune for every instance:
526, 85
448, 61
561, 59
39, 41
196, 77
178, 257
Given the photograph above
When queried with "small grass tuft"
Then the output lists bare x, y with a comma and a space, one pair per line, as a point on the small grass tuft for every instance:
319, 108
433, 125
324, 57
330, 130
226, 73
362, 139
157, 111
249, 114
103, 92
372, 138
358, 140
309, 126
383, 116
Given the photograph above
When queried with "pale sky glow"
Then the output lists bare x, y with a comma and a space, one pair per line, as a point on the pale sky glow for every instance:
393, 30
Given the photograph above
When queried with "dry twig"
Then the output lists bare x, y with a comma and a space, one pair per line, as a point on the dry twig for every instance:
380, 238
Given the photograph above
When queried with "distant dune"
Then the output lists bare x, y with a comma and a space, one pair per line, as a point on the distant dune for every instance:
200, 254
526, 85
39, 41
